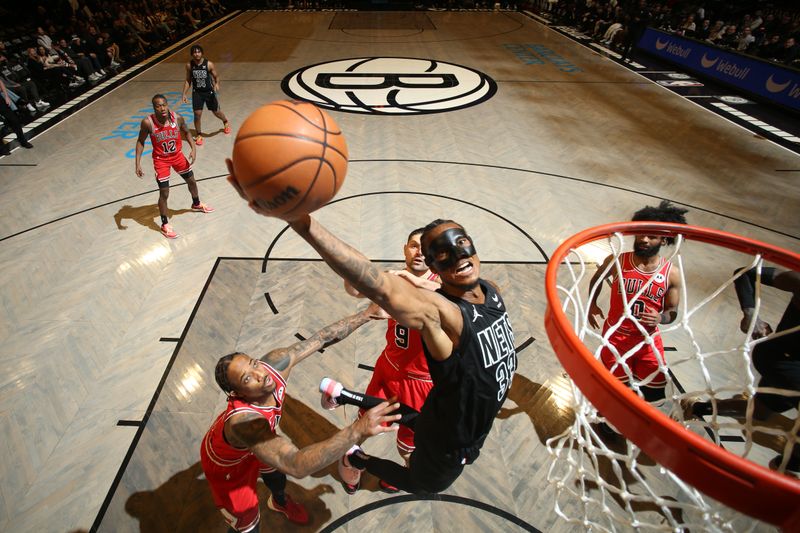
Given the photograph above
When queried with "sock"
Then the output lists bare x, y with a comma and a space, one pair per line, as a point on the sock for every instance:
163, 220
653, 394
356, 460
276, 483
195, 200
702, 409
348, 397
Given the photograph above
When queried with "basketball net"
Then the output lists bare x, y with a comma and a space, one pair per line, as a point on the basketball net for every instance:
606, 482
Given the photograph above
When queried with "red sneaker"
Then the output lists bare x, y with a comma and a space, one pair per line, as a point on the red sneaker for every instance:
168, 232
388, 489
227, 130
293, 511
202, 208
198, 140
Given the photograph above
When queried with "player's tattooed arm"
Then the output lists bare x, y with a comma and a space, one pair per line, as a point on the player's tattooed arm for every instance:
246, 430
415, 308
286, 457
284, 359
595, 285
345, 260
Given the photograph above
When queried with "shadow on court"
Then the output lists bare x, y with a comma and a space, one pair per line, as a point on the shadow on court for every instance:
144, 215
548, 407
184, 504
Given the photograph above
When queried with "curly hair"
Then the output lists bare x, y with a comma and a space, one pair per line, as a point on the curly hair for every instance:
665, 212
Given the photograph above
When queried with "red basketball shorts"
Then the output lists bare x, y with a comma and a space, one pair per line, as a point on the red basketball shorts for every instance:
642, 363
163, 166
410, 389
234, 489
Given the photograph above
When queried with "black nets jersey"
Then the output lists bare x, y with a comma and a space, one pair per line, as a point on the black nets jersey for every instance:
201, 78
470, 386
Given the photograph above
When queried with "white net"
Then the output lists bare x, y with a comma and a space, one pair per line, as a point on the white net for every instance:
603, 481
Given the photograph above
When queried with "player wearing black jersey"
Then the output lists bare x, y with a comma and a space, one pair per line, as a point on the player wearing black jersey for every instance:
468, 343
777, 359
202, 77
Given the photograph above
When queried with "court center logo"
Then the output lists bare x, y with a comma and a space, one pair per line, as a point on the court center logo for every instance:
389, 86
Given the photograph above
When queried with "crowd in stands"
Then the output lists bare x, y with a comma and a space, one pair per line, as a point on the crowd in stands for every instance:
63, 47
770, 32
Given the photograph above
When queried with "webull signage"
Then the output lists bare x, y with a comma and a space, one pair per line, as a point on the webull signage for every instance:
768, 80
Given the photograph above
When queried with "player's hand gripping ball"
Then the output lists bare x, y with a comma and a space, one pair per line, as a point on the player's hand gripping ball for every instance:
289, 159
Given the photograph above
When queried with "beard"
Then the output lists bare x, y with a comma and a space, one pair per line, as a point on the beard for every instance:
647, 252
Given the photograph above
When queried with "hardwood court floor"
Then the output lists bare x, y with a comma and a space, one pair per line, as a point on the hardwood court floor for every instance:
94, 299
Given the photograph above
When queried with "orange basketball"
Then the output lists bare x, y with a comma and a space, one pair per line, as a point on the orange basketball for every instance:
290, 158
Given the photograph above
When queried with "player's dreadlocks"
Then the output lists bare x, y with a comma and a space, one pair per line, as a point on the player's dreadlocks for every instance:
665, 212
221, 372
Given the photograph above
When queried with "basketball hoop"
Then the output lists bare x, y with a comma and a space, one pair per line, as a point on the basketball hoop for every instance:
693, 464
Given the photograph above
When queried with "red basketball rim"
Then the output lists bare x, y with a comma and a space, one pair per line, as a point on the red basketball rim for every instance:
741, 484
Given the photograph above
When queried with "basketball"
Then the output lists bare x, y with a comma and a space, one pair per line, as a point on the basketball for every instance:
289, 158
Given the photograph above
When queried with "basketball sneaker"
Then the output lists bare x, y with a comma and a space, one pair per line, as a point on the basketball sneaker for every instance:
168, 232
792, 467
198, 140
202, 208
227, 130
330, 390
387, 488
293, 511
350, 475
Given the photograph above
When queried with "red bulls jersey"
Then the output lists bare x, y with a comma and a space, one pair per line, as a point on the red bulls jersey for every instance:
165, 138
633, 279
404, 348
216, 447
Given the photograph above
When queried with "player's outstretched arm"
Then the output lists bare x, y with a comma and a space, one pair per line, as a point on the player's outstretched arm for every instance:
188, 136
407, 304
415, 308
786, 280
212, 71
595, 287
284, 359
144, 131
252, 431
187, 83
672, 298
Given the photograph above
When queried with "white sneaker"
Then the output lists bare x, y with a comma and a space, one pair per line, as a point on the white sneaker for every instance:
42, 104
30, 108
350, 475
330, 390
93, 77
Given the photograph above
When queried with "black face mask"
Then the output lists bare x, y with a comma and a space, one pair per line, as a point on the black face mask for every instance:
450, 246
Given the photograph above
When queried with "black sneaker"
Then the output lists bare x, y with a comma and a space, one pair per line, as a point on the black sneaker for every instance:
25, 144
